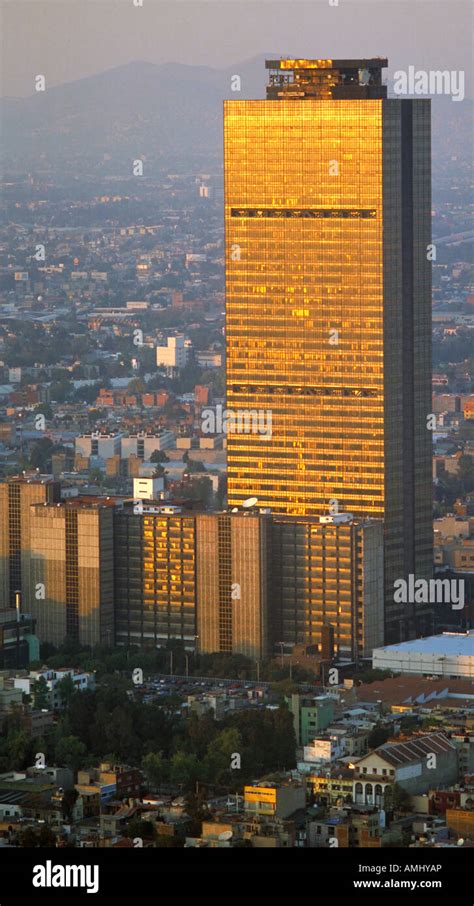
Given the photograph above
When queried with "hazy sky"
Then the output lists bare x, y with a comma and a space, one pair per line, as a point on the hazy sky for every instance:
68, 39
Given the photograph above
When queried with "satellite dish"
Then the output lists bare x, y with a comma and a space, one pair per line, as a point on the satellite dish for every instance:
461, 841
226, 835
364, 77
251, 501
235, 509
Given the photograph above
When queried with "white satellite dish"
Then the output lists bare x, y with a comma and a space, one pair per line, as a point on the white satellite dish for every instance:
235, 509
226, 835
251, 501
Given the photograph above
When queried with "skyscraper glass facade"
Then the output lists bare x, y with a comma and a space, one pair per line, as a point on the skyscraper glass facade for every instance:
327, 212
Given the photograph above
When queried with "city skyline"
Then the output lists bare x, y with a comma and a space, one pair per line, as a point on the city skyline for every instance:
236, 449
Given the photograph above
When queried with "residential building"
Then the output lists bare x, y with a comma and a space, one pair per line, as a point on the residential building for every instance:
109, 781
310, 715
461, 821
143, 445
272, 799
174, 355
81, 681
99, 445
148, 488
332, 786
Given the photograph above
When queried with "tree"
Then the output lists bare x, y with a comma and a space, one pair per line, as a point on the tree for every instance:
408, 725
71, 752
159, 456
28, 838
200, 731
153, 766
40, 455
66, 690
401, 800
195, 465
284, 737
197, 809
219, 754
139, 828
44, 409
378, 736
136, 385
96, 476
164, 841
41, 694
466, 473
46, 837
16, 750
120, 734
68, 802
185, 770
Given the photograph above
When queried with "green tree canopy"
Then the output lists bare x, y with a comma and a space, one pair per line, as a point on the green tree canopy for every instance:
71, 752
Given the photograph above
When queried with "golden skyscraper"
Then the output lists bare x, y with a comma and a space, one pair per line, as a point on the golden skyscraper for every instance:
327, 212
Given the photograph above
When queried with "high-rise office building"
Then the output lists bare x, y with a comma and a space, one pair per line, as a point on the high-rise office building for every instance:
71, 572
327, 587
327, 212
247, 582
233, 583
201, 579
155, 581
16, 498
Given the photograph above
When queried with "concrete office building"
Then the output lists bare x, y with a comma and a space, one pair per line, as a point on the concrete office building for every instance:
16, 498
71, 572
174, 355
143, 445
200, 578
155, 576
101, 445
328, 572
233, 583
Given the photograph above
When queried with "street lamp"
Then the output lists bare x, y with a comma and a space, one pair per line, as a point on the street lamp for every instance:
196, 650
282, 645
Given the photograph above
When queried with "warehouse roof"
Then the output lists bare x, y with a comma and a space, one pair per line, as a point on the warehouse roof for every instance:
447, 643
411, 750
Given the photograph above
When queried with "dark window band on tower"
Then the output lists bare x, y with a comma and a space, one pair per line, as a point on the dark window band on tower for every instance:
314, 213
